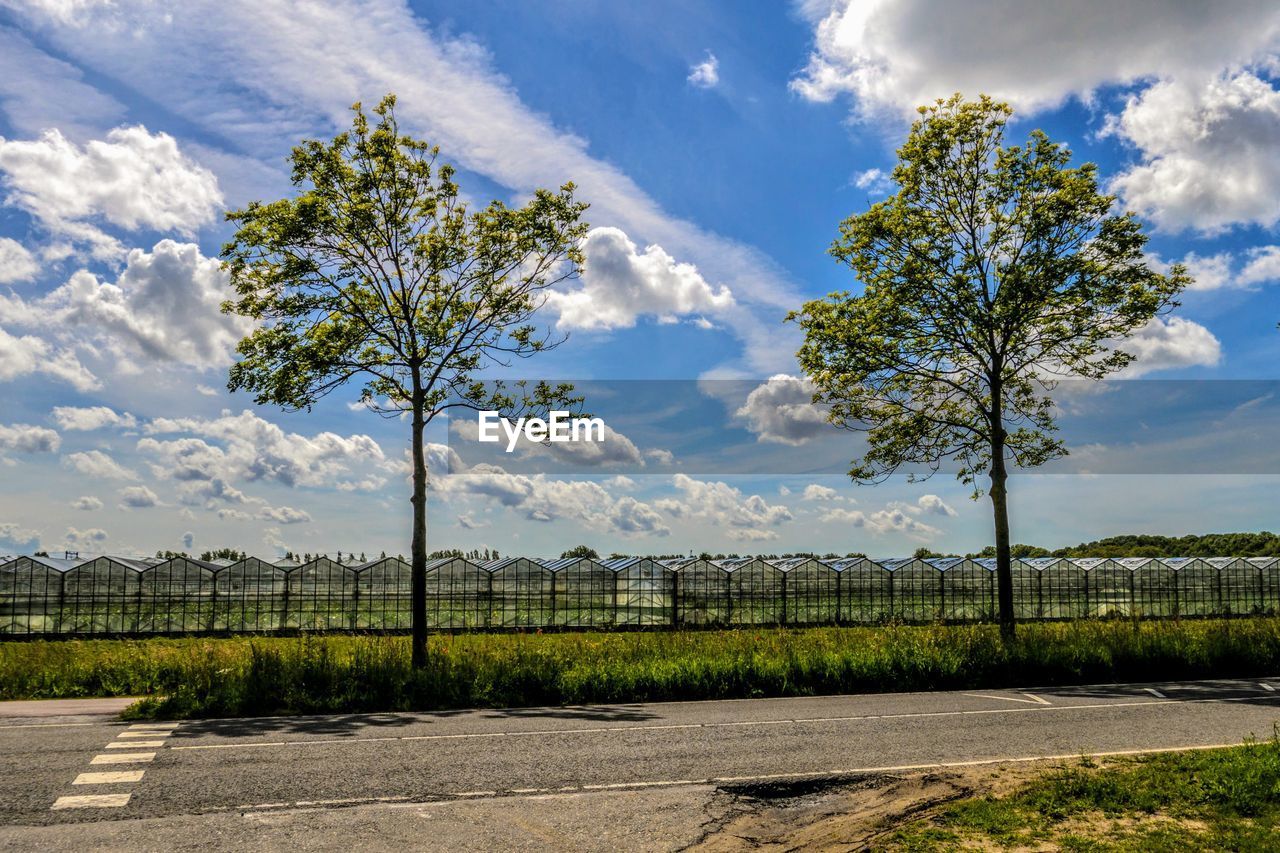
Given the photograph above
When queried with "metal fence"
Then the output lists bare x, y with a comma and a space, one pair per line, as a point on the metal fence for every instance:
40, 596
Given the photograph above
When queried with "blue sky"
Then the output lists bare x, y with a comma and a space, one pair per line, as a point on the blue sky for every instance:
719, 150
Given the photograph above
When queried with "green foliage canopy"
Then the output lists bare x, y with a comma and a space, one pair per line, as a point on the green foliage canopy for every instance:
993, 271
379, 269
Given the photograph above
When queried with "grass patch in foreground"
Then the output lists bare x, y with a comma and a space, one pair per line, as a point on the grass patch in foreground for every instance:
1221, 799
271, 675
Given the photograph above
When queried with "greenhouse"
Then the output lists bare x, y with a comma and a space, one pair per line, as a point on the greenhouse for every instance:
177, 596
458, 595
382, 592
123, 596
812, 591
521, 593
583, 593
702, 592
252, 596
646, 592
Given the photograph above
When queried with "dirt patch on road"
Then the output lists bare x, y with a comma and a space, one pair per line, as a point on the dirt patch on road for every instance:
850, 813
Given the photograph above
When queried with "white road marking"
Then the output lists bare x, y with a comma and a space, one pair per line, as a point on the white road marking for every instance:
304, 803
347, 801
168, 726
1155, 693
46, 725
109, 778
92, 801
721, 780
123, 758
1267, 687
134, 744
611, 786
1004, 698
1035, 698
1036, 709
147, 733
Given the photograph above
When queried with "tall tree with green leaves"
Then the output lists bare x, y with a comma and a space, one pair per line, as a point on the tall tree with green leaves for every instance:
994, 271
378, 271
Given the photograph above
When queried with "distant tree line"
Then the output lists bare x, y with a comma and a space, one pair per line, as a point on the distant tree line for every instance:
1264, 544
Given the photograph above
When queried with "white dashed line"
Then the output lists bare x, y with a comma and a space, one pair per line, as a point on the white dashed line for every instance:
109, 778
139, 735
92, 801
123, 758
1155, 693
1267, 687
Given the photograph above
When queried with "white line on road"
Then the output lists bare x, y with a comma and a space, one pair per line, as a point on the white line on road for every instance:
92, 801
109, 778
135, 744
123, 758
1267, 687
149, 726
1155, 693
145, 733
1004, 698
46, 725
721, 780
1035, 698
1035, 709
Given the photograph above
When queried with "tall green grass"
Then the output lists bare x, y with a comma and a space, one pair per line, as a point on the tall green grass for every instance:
210, 677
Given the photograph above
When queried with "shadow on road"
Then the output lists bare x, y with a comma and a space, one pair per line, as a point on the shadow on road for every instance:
1248, 691
366, 725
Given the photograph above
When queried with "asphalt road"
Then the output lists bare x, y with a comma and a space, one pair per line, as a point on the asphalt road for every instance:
205, 784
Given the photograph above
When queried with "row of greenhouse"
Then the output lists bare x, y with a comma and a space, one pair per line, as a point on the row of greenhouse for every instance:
42, 596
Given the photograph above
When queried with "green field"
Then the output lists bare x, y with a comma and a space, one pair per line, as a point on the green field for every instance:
264, 675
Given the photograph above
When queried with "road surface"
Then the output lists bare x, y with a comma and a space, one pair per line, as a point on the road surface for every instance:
608, 776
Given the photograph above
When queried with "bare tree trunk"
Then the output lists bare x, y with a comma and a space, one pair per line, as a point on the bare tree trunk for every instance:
418, 552
1004, 561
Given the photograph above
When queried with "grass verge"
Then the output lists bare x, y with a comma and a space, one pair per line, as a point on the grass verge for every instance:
265, 675
1222, 799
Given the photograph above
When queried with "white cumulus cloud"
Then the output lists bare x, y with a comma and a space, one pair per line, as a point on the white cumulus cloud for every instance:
137, 497
705, 74
132, 179
26, 355
92, 417
898, 54
95, 463
26, 438
745, 517
16, 263
621, 284
1164, 344
780, 410
284, 515
1210, 152
165, 307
